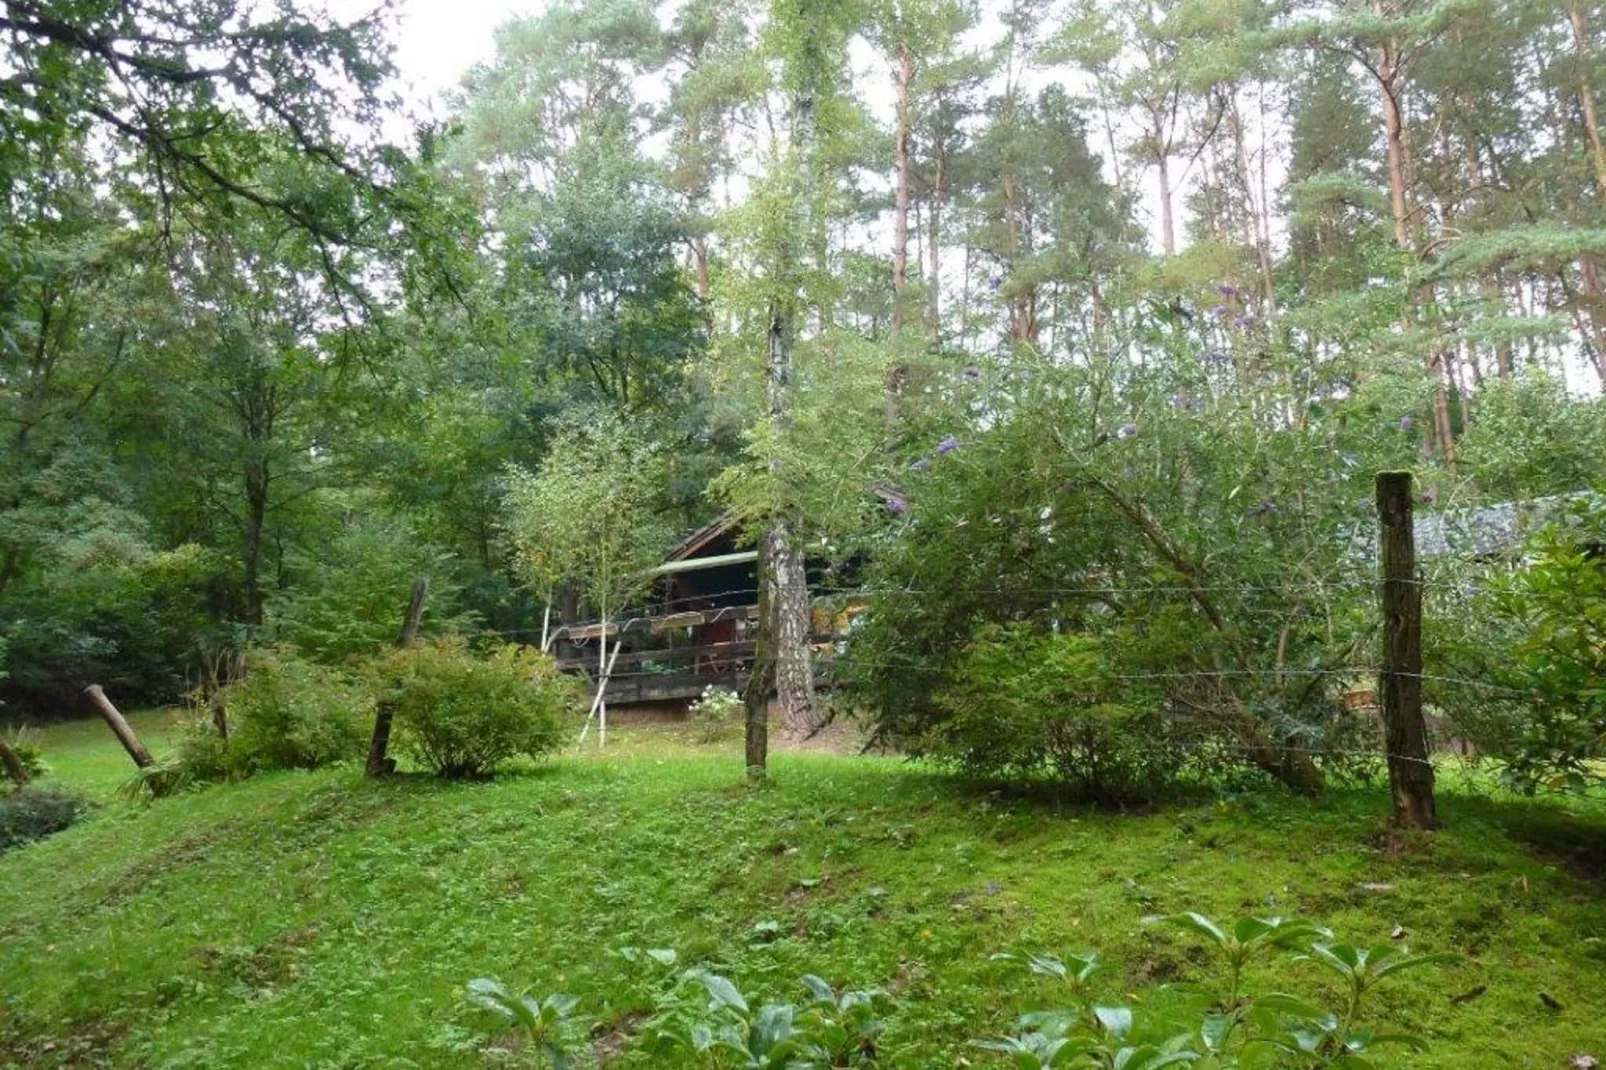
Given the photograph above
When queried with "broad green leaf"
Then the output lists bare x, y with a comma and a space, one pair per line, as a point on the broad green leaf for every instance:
724, 991
1117, 1021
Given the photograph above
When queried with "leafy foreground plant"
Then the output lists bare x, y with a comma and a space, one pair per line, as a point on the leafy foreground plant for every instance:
1235, 1030
548, 1023
705, 1021
702, 1019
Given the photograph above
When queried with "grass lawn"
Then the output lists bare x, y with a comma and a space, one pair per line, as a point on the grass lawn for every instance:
320, 920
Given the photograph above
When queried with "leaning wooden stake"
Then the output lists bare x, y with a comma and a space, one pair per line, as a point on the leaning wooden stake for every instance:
13, 764
379, 761
125, 735
1405, 731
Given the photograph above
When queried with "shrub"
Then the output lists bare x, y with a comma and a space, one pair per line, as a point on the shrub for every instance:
203, 753
713, 714
1023, 702
32, 813
1539, 634
28, 745
461, 715
286, 713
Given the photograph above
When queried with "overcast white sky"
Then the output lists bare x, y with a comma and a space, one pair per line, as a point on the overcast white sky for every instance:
441, 39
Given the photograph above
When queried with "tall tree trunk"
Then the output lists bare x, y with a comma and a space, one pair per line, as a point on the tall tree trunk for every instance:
1168, 226
794, 668
794, 628
900, 215
256, 519
934, 250
1586, 94
1389, 76
785, 576
900, 237
1259, 232
1597, 159
761, 677
379, 761
699, 255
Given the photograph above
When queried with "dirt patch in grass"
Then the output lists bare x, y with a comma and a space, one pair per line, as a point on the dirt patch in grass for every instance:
611, 1043
88, 1046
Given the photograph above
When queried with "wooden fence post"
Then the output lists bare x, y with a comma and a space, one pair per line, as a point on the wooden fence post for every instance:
125, 735
1400, 683
379, 760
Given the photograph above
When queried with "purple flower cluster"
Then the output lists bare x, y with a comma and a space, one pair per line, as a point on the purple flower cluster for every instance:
1406, 423
972, 373
1126, 430
947, 445
921, 465
897, 505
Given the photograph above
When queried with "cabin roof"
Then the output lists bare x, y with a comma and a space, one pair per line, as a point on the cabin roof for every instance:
700, 540
1480, 531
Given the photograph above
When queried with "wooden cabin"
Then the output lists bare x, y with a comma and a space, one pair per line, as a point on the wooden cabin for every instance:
696, 628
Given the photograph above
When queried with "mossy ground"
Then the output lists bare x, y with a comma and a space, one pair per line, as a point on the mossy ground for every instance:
321, 920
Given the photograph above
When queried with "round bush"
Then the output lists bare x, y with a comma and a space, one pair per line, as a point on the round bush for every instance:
32, 813
462, 715
286, 714
1026, 703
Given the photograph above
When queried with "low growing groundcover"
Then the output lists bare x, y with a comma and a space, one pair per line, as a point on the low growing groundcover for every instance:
322, 920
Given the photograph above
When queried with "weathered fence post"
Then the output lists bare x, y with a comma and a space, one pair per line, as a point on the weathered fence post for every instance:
1400, 683
379, 761
13, 764
125, 735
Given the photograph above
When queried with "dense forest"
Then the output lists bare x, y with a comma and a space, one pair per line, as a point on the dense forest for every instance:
1161, 444
1154, 288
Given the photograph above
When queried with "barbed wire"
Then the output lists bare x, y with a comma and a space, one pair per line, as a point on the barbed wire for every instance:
1307, 587
1344, 671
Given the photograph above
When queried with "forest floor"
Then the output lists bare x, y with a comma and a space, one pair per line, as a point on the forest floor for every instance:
322, 920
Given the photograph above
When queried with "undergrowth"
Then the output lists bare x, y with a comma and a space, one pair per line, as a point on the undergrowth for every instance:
319, 919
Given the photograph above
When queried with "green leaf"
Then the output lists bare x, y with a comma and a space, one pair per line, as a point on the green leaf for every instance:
1282, 1003
1117, 1021
1199, 924
725, 993
818, 987
1397, 965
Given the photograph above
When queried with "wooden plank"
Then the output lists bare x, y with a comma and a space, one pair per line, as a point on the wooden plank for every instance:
668, 622
671, 655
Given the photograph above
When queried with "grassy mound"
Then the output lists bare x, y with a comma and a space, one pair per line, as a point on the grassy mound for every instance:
321, 920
